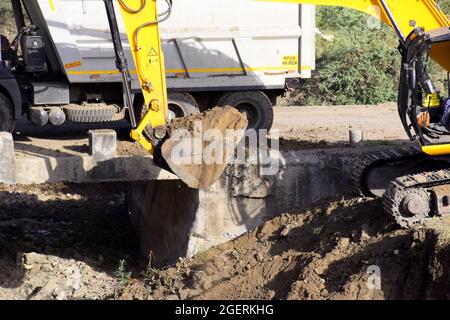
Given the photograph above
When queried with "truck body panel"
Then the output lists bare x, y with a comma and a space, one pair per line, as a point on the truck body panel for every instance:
218, 46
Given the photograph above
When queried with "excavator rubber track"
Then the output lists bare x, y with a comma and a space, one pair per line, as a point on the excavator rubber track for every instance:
379, 159
423, 188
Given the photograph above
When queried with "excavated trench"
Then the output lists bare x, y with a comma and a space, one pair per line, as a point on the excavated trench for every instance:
345, 249
74, 241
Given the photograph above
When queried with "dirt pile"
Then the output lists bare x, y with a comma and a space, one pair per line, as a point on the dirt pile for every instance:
348, 249
131, 148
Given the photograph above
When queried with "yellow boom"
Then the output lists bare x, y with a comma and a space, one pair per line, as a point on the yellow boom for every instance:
141, 22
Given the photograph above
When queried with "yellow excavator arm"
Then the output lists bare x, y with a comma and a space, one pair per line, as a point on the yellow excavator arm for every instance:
150, 125
399, 14
141, 21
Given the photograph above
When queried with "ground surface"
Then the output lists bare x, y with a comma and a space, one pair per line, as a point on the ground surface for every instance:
68, 241
62, 241
74, 241
327, 252
299, 127
379, 122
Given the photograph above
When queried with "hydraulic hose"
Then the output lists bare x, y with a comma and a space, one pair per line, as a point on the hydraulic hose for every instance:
161, 18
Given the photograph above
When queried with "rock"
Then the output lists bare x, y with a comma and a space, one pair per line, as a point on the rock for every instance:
266, 231
210, 269
46, 268
184, 294
73, 278
364, 235
259, 257
270, 294
198, 276
172, 297
366, 229
59, 294
206, 284
343, 242
201, 280
135, 291
286, 230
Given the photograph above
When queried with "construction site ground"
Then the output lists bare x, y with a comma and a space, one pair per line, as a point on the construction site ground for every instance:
299, 127
74, 241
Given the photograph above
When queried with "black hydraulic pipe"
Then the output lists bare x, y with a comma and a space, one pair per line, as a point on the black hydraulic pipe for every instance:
121, 61
394, 23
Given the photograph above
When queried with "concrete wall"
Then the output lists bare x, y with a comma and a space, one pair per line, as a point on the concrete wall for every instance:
37, 164
174, 221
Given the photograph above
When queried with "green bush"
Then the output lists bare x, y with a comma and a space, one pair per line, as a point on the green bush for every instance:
359, 66
7, 24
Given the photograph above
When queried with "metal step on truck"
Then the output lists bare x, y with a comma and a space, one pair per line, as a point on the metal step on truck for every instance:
217, 53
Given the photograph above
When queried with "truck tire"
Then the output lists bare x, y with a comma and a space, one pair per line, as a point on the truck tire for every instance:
90, 114
181, 104
255, 104
7, 121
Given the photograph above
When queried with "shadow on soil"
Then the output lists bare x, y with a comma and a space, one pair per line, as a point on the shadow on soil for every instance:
93, 228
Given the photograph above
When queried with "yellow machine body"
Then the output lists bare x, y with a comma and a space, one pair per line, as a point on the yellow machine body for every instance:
140, 18
423, 13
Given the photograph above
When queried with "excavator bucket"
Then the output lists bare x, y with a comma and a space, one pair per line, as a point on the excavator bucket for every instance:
200, 146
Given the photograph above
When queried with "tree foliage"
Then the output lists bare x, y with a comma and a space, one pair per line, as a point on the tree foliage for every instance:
7, 26
359, 66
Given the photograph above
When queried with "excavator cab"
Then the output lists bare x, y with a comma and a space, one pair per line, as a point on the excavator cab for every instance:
423, 110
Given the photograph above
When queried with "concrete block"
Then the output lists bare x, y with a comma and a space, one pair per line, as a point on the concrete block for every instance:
175, 221
34, 170
103, 144
7, 158
356, 137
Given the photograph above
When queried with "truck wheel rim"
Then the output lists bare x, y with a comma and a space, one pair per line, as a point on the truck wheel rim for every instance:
176, 111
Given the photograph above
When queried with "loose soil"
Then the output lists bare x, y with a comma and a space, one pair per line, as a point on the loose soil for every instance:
68, 241
202, 174
327, 252
130, 148
63, 241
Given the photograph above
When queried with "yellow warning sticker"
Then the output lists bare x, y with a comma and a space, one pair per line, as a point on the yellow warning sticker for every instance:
153, 57
289, 60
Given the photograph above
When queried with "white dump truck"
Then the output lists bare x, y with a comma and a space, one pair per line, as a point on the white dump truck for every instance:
234, 52
237, 53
